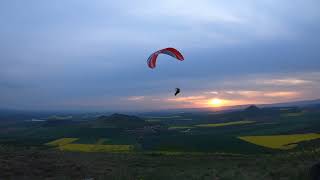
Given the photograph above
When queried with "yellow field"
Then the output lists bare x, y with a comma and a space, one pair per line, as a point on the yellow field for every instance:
225, 124
64, 144
283, 142
61, 142
96, 148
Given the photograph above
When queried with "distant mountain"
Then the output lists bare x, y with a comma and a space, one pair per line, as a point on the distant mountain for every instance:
252, 109
119, 120
55, 117
58, 122
295, 103
15, 115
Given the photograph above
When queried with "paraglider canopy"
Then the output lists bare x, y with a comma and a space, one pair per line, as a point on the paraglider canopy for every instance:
152, 60
169, 51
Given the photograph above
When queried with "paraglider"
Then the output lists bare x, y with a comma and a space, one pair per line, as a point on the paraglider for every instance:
177, 92
152, 60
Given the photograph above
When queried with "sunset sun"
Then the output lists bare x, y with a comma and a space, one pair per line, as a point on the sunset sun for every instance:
216, 102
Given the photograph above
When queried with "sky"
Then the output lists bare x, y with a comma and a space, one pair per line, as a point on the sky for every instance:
91, 55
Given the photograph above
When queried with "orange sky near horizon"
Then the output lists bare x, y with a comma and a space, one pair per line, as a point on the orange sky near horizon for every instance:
241, 91
220, 99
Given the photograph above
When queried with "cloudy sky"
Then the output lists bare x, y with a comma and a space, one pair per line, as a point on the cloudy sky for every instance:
76, 54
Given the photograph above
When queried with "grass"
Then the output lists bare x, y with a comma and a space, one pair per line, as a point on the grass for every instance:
211, 125
159, 119
225, 124
43, 164
270, 123
60, 117
179, 153
61, 142
165, 117
102, 141
283, 142
153, 120
293, 114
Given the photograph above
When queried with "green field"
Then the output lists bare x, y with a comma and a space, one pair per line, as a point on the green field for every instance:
225, 124
61, 141
293, 114
239, 144
180, 127
206, 133
164, 117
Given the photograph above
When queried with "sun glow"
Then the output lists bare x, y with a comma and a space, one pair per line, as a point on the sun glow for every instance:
216, 102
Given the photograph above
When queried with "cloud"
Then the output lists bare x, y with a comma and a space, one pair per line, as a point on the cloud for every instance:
212, 92
245, 93
282, 94
285, 82
200, 11
258, 94
136, 98
187, 98
215, 20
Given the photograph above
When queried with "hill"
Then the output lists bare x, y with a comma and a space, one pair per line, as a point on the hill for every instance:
119, 121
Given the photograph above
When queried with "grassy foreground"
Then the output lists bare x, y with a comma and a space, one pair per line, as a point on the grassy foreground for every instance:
52, 164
